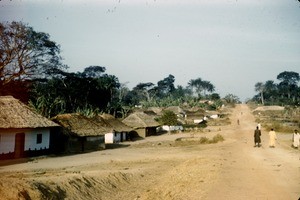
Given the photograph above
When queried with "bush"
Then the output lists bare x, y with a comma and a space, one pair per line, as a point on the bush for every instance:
217, 138
168, 118
204, 140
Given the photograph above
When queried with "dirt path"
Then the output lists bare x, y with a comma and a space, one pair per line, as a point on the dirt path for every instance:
159, 168
256, 173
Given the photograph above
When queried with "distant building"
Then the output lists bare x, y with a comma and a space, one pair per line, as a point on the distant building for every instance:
143, 125
81, 134
120, 131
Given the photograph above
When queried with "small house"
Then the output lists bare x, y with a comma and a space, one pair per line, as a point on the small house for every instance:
23, 132
143, 125
80, 133
120, 131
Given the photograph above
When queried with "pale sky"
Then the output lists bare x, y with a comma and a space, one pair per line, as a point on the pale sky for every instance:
231, 43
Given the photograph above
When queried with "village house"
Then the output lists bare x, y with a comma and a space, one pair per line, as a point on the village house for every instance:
80, 133
120, 131
23, 132
143, 125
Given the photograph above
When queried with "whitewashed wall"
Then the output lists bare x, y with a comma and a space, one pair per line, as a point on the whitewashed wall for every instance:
172, 128
111, 138
7, 139
7, 142
30, 139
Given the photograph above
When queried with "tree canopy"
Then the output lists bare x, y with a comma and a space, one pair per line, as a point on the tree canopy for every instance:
25, 53
287, 91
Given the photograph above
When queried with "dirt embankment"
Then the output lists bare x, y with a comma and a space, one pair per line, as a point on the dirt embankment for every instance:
160, 168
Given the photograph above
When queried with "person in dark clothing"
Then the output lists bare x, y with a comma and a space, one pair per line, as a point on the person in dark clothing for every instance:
257, 134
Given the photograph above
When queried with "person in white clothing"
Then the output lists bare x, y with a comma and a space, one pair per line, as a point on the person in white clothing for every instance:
273, 138
296, 139
259, 126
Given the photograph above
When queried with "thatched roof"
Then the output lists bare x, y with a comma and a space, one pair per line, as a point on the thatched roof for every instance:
116, 124
15, 114
140, 120
176, 109
78, 125
156, 110
195, 113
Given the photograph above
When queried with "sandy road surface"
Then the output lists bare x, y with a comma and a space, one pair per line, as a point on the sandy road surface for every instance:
160, 168
256, 173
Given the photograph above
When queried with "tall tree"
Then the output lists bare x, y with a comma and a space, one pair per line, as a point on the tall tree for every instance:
165, 87
231, 98
260, 87
289, 83
143, 91
271, 92
201, 86
25, 53
93, 71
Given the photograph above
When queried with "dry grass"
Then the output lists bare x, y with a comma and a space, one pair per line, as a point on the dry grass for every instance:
284, 121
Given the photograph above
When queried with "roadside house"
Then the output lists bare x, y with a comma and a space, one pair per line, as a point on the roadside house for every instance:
143, 125
81, 134
23, 132
120, 131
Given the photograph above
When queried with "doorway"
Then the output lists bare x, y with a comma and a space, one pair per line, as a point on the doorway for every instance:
19, 145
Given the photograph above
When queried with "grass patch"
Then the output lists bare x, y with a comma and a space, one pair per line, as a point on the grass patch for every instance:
217, 138
285, 121
203, 140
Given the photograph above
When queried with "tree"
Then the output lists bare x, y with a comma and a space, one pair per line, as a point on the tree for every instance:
165, 87
201, 86
168, 118
143, 91
73, 92
25, 53
231, 99
260, 87
93, 71
289, 83
271, 93
291, 78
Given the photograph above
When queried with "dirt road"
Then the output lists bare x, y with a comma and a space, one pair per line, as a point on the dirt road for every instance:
256, 173
160, 168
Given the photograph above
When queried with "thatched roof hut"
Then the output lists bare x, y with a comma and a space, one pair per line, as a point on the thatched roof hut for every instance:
116, 124
140, 120
176, 109
15, 114
78, 125
155, 110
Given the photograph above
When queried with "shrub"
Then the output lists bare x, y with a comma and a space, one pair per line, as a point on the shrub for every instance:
217, 138
168, 118
204, 140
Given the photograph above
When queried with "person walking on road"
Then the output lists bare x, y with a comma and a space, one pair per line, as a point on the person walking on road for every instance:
273, 138
257, 134
296, 139
259, 126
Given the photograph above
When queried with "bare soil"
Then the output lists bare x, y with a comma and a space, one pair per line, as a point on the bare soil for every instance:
160, 167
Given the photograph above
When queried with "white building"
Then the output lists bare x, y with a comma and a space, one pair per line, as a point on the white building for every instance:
22, 131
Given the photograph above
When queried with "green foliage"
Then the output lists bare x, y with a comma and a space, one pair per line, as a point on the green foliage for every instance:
231, 99
281, 120
73, 93
286, 92
168, 118
201, 86
26, 53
